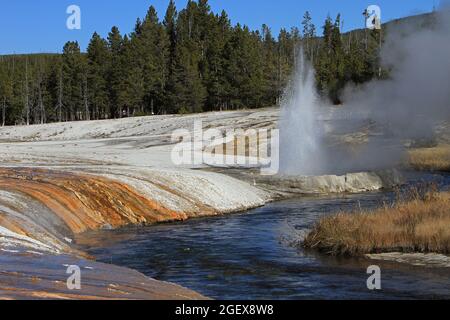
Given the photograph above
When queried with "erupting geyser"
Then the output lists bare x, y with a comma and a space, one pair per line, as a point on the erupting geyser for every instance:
300, 130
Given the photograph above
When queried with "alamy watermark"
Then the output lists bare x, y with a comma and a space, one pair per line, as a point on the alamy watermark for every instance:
73, 22
257, 148
373, 17
74, 280
374, 281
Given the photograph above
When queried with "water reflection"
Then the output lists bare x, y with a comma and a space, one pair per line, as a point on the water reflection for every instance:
253, 256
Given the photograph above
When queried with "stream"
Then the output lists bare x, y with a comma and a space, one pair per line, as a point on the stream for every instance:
255, 255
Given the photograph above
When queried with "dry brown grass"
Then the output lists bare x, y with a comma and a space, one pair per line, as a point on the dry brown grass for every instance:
430, 159
418, 224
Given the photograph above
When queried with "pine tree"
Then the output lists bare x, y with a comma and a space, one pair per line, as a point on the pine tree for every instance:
72, 74
26, 94
356, 66
285, 58
6, 92
244, 68
97, 57
188, 91
170, 20
309, 33
330, 64
214, 79
41, 116
154, 49
115, 74
134, 90
271, 90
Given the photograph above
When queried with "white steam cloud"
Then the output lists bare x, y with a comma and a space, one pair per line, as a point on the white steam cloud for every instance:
406, 107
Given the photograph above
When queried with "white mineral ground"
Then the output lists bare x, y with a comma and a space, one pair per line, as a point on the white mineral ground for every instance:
59, 180
417, 259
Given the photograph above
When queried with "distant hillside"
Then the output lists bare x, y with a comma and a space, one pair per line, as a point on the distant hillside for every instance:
420, 21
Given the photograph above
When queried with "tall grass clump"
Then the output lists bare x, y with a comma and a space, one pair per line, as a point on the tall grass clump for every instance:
419, 221
430, 159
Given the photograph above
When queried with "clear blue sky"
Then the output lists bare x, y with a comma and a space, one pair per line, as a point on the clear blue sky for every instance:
32, 26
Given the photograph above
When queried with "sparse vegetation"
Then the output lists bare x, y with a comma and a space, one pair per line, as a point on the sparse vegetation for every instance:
420, 222
431, 159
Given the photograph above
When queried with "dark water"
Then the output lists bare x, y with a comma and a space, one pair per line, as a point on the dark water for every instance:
253, 256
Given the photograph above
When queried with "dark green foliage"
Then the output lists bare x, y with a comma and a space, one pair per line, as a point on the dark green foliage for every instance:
330, 62
98, 56
192, 61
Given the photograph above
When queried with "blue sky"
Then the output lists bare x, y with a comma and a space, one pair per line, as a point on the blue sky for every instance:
32, 26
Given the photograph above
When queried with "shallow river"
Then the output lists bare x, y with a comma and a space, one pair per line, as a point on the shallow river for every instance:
253, 255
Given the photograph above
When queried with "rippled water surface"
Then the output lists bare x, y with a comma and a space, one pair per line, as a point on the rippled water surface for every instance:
253, 255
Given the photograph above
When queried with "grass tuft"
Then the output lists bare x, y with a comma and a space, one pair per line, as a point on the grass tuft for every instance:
430, 159
418, 222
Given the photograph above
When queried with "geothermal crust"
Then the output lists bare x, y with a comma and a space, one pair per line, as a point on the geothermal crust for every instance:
60, 180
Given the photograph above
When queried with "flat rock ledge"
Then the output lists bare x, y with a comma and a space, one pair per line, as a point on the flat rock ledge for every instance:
329, 184
37, 276
431, 260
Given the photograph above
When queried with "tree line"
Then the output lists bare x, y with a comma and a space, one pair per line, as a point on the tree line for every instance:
194, 60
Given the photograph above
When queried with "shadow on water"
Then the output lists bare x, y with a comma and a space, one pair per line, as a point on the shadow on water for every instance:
253, 255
